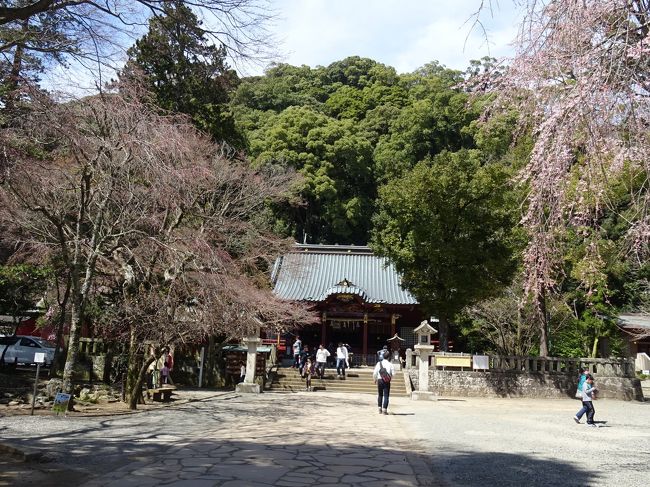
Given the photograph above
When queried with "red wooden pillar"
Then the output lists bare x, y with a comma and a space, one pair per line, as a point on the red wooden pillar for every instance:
365, 339
393, 325
323, 329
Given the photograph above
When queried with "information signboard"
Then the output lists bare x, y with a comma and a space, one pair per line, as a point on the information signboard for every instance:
61, 401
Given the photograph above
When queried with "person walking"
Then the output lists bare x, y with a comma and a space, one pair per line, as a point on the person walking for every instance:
321, 360
307, 372
302, 359
588, 392
381, 353
297, 348
382, 376
242, 371
341, 360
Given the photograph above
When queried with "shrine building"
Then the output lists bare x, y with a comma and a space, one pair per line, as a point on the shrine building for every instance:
357, 294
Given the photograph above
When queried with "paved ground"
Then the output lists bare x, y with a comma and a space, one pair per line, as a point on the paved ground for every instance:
323, 439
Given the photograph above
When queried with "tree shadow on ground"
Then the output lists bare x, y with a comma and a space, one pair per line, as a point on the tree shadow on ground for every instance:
189, 445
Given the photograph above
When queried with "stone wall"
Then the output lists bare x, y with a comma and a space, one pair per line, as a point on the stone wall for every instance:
522, 384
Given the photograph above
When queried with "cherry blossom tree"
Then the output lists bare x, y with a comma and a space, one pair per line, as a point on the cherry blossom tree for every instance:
580, 80
148, 217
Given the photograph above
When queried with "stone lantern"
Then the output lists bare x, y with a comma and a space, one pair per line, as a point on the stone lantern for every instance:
425, 348
249, 385
395, 347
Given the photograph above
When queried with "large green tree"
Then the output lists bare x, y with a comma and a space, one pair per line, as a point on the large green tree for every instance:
447, 225
186, 71
348, 128
335, 198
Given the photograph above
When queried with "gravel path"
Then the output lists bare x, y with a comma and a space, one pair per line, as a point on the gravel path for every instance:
328, 439
515, 442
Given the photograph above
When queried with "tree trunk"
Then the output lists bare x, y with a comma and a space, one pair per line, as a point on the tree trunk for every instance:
594, 348
63, 305
72, 357
16, 72
543, 325
132, 367
443, 333
135, 394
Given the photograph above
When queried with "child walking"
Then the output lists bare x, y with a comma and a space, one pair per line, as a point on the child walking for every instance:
588, 393
308, 370
583, 375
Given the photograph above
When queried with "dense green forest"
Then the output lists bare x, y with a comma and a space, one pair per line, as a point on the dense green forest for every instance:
349, 128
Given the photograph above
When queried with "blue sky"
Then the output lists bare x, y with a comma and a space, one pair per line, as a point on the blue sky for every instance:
405, 34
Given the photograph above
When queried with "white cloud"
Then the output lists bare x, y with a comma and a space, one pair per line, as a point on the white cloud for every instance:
405, 34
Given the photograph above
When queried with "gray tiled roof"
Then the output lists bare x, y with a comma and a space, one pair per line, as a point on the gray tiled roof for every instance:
313, 272
634, 320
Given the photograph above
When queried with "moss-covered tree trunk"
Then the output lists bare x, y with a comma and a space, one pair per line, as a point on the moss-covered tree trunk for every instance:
72, 357
57, 363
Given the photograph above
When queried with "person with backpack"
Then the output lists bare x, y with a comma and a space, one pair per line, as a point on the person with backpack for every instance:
382, 376
302, 359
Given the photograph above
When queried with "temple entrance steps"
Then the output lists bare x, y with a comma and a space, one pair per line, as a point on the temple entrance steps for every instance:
358, 380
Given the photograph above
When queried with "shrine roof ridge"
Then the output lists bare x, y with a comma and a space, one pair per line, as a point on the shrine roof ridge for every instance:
333, 249
314, 272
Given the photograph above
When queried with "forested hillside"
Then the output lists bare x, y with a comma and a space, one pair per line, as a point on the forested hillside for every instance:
348, 128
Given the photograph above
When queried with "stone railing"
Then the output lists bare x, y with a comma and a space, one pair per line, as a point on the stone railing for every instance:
604, 367
91, 347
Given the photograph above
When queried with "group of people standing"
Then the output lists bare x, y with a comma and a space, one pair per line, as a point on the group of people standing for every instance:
314, 364
311, 365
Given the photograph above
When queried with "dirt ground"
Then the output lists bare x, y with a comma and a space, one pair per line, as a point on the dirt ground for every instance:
18, 386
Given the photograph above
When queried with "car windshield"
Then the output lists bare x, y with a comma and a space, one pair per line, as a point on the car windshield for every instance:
45, 343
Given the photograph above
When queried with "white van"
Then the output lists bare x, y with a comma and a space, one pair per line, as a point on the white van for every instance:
21, 349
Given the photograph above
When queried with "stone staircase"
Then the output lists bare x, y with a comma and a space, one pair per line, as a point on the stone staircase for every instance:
358, 380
